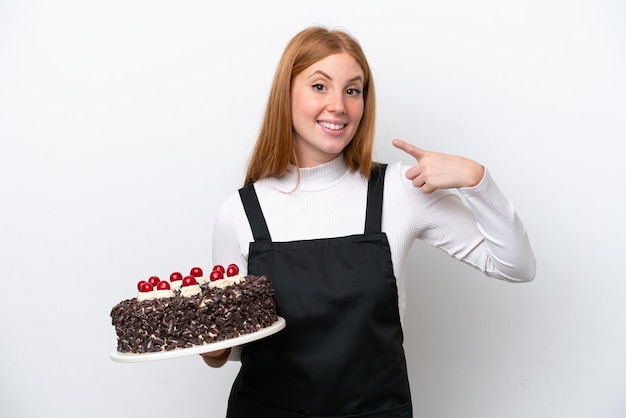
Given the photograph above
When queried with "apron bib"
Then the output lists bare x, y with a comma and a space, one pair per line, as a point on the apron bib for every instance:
341, 352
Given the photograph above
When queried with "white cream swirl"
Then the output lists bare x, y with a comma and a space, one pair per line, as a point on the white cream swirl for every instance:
187, 291
141, 296
176, 284
164, 293
227, 281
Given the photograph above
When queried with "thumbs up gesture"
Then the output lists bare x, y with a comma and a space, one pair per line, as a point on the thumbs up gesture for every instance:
435, 170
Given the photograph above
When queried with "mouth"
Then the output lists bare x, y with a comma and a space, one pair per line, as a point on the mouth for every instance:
332, 126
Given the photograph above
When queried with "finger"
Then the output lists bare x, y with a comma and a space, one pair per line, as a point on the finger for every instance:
413, 172
418, 182
427, 188
214, 354
421, 184
410, 149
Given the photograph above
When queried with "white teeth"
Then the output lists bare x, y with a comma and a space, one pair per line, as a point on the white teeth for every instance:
332, 126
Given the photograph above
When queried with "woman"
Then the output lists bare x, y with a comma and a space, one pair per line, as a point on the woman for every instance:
332, 230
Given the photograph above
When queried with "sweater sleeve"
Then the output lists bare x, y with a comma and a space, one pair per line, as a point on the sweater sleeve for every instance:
226, 245
478, 225
230, 230
506, 246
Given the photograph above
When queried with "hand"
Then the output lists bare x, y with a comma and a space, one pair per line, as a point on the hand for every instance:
435, 170
216, 358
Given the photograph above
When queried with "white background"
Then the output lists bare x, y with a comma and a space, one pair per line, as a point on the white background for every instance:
123, 124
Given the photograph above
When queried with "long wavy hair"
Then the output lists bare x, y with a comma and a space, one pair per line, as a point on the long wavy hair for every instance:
274, 149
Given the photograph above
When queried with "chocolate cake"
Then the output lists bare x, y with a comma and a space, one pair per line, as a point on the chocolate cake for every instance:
192, 311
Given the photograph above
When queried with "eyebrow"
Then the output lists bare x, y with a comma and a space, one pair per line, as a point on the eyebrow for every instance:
358, 77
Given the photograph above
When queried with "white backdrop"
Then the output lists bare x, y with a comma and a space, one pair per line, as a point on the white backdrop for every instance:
123, 124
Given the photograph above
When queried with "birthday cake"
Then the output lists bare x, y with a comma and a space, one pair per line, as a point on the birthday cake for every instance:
191, 310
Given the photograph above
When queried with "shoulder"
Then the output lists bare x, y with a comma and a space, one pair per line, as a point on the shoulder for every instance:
396, 174
398, 186
231, 201
230, 211
395, 171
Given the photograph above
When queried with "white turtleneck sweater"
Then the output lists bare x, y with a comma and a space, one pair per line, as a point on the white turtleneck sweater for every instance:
481, 229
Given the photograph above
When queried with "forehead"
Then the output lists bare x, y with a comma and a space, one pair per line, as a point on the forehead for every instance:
339, 66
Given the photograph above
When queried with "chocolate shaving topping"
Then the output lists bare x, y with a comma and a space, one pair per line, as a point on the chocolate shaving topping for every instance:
180, 322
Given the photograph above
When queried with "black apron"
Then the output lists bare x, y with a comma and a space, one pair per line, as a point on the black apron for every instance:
341, 353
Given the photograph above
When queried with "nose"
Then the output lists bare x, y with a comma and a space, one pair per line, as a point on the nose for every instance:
336, 103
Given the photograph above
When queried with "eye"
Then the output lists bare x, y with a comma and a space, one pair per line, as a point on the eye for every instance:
353, 91
318, 87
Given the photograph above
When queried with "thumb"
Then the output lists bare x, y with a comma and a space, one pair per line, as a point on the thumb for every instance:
410, 149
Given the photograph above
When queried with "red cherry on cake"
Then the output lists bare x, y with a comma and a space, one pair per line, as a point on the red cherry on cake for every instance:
216, 275
145, 287
153, 280
232, 270
163, 285
140, 283
189, 281
219, 267
175, 276
196, 272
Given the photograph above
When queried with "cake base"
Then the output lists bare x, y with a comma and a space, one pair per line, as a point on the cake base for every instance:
199, 349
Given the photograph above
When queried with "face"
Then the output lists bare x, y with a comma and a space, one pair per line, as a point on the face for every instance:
326, 107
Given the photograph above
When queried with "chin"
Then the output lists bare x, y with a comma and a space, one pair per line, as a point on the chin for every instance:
335, 147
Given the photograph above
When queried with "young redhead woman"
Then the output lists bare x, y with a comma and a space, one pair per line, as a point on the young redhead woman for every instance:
332, 229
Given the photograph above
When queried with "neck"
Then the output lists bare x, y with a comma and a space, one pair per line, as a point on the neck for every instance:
313, 178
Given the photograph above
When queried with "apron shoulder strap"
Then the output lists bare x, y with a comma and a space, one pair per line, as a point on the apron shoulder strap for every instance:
251, 205
373, 215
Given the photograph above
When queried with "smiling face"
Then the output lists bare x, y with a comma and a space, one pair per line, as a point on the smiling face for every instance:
326, 107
